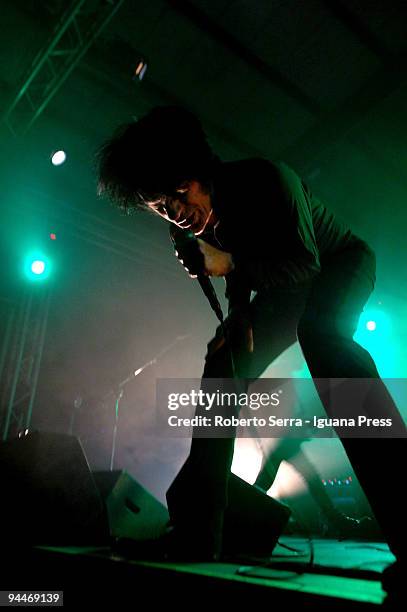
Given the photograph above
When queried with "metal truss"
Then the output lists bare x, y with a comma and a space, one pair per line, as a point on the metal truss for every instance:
73, 35
20, 360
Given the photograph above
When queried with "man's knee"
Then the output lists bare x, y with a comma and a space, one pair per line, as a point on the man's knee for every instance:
317, 334
333, 352
215, 343
309, 333
217, 361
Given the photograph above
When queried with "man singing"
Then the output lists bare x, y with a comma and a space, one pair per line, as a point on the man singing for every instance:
259, 226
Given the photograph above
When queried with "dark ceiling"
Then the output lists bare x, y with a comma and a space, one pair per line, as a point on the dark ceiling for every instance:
319, 84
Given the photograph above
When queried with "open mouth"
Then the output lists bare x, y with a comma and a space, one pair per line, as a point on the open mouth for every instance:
187, 222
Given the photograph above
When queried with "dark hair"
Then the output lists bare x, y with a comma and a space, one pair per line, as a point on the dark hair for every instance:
153, 156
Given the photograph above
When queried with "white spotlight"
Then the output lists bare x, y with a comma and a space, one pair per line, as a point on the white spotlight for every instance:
58, 158
38, 267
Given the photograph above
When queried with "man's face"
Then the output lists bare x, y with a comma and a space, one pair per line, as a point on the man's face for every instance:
189, 208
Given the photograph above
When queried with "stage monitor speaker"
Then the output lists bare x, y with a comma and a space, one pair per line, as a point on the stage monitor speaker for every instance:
133, 512
49, 495
253, 520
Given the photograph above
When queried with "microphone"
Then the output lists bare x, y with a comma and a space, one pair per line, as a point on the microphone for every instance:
187, 247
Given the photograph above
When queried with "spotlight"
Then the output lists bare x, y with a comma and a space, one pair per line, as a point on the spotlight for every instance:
37, 267
376, 320
58, 158
374, 333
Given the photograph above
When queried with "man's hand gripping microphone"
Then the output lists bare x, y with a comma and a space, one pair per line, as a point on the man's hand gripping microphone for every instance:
188, 252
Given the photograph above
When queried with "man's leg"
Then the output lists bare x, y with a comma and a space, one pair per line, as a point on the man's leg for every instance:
198, 496
268, 472
285, 451
326, 334
340, 523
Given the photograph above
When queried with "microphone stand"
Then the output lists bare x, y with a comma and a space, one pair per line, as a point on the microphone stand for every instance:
77, 404
123, 383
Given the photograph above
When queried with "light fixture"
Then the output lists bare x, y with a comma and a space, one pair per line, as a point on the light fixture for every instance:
140, 70
58, 158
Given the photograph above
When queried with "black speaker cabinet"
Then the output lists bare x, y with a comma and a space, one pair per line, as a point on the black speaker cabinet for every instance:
133, 512
49, 495
253, 520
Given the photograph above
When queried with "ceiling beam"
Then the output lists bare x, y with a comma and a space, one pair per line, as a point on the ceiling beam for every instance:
359, 29
71, 38
94, 66
235, 46
336, 124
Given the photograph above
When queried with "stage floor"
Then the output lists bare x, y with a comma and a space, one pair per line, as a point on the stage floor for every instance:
328, 574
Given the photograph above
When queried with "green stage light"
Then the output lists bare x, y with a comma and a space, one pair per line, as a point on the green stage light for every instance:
37, 267
371, 325
374, 333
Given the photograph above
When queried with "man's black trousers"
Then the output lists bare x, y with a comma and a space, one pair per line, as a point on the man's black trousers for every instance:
323, 319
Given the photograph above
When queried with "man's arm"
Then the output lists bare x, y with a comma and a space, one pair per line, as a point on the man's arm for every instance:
220, 263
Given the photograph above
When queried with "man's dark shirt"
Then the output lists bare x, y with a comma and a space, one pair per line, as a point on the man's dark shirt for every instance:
278, 232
